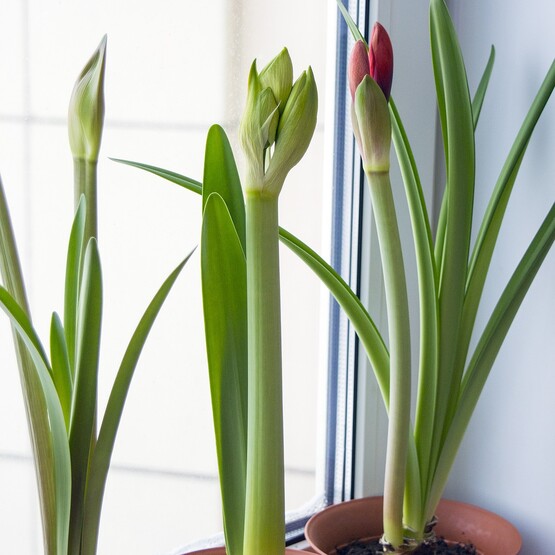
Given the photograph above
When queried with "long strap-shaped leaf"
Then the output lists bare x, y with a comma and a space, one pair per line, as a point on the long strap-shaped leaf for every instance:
52, 442
221, 176
495, 212
296, 245
362, 322
480, 94
186, 182
350, 23
224, 295
100, 459
72, 280
477, 102
427, 287
54, 524
458, 130
61, 370
82, 432
489, 346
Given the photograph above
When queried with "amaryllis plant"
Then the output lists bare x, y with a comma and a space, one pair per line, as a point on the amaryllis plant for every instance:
451, 271
60, 384
241, 298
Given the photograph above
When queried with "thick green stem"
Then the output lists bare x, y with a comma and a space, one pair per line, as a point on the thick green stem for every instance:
265, 509
84, 178
399, 348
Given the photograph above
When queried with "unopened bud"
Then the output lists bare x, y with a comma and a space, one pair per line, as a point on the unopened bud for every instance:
295, 129
375, 60
380, 57
359, 66
372, 126
86, 107
278, 123
278, 76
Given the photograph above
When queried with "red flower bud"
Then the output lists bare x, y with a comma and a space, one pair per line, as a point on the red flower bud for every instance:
380, 58
358, 67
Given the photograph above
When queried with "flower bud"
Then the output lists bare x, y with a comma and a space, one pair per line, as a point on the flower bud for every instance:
380, 57
86, 107
268, 115
359, 66
372, 126
278, 76
279, 115
295, 129
259, 123
375, 60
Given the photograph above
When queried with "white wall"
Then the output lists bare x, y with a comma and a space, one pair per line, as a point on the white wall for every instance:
507, 459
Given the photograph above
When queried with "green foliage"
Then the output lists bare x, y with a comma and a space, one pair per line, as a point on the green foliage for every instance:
224, 295
451, 275
60, 393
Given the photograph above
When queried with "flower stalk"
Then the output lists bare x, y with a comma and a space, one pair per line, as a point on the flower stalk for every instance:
399, 346
265, 508
370, 77
276, 129
85, 124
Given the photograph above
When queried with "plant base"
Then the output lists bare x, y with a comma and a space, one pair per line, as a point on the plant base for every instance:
436, 547
361, 520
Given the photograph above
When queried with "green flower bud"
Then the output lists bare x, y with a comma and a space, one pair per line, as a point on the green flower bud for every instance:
295, 129
86, 107
278, 75
278, 123
372, 126
259, 124
269, 117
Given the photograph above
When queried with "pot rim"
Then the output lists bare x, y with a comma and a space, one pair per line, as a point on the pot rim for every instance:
458, 521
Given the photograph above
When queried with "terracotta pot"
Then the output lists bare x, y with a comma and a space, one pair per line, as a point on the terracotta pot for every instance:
361, 519
221, 551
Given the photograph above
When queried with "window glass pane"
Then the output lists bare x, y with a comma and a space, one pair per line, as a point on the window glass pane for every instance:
173, 69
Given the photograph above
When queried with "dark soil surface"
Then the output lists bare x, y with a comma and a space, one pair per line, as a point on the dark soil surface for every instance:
435, 547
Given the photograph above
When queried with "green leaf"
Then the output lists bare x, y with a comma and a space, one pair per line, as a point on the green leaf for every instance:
495, 212
489, 345
82, 433
61, 371
10, 266
502, 317
346, 298
100, 459
373, 344
477, 103
48, 431
35, 403
458, 132
221, 176
73, 271
480, 93
224, 294
350, 23
186, 182
365, 328
427, 287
